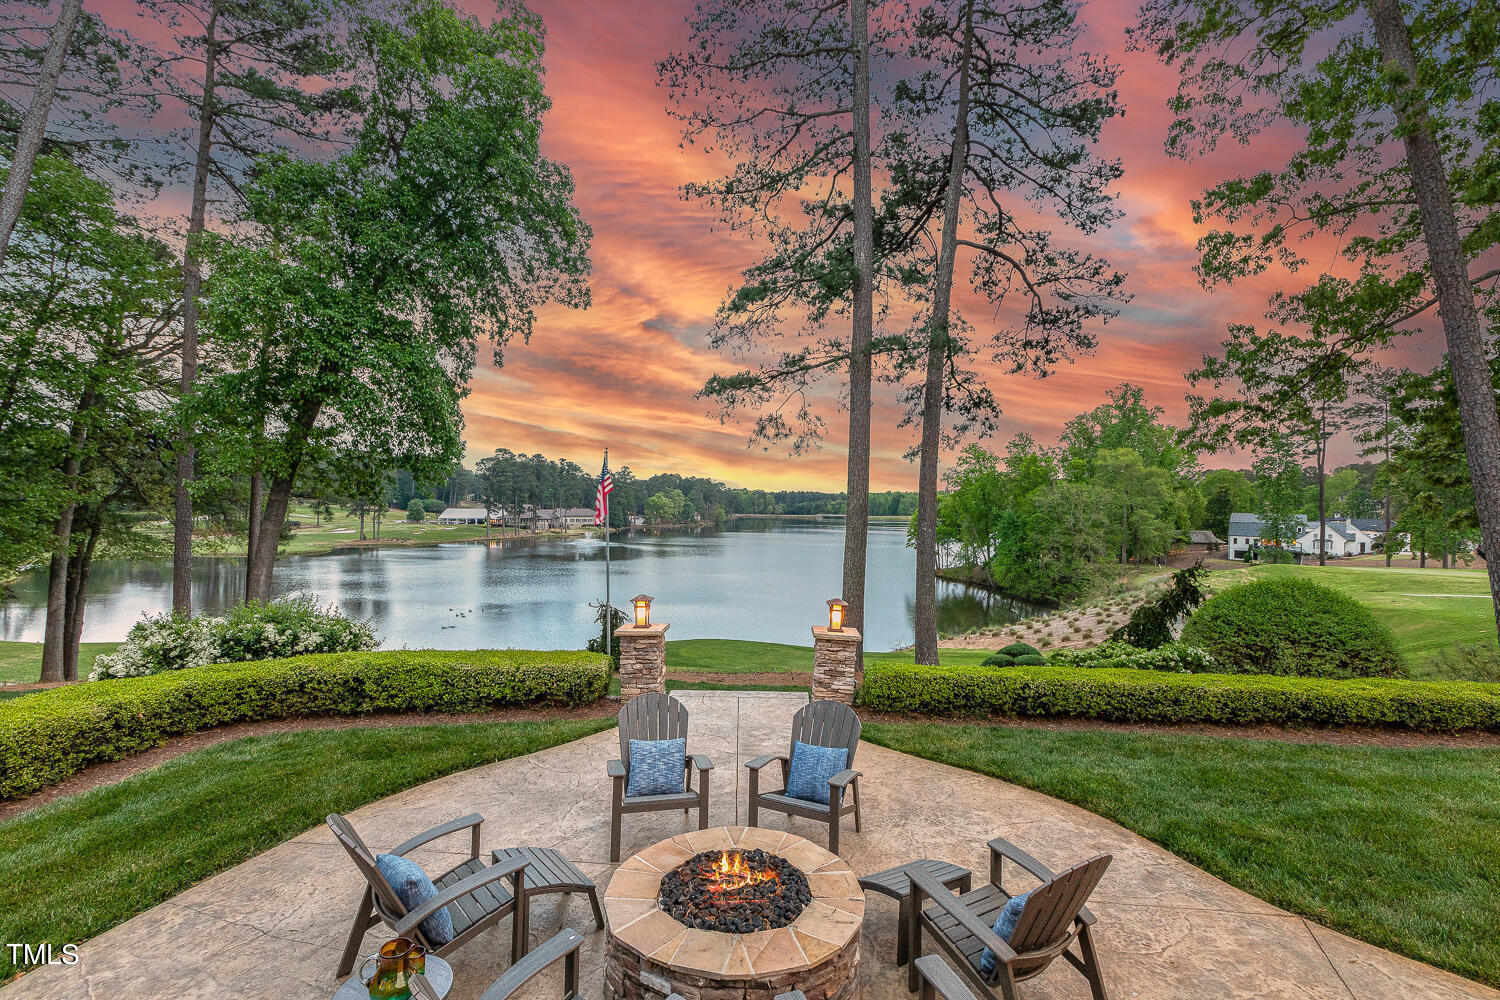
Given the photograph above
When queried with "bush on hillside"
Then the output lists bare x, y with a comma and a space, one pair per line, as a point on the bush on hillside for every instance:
287, 626
1030, 660
49, 735
1020, 649
999, 660
1293, 626
1151, 624
1120, 695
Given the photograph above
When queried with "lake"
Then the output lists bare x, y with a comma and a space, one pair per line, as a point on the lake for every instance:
765, 580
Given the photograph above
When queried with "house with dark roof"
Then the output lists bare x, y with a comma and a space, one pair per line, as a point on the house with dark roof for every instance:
1343, 536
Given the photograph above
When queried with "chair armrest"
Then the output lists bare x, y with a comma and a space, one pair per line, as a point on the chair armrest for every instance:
764, 759
843, 778
478, 880
562, 944
616, 768
1006, 849
452, 826
421, 989
986, 935
1002, 848
701, 761
936, 973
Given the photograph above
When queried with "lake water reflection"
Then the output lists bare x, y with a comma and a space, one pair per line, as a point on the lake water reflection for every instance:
765, 580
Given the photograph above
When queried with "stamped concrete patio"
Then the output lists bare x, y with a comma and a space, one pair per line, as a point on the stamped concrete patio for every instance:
274, 926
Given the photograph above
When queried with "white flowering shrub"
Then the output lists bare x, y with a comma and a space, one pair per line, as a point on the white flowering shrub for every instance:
281, 628
1172, 657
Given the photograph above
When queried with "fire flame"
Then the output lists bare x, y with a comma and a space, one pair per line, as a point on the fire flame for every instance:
732, 873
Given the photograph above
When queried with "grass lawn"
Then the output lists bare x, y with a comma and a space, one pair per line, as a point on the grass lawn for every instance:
1400, 848
75, 868
21, 662
739, 656
1460, 613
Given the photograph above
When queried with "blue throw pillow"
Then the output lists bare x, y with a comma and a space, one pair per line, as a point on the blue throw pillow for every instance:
414, 888
1005, 926
811, 768
656, 766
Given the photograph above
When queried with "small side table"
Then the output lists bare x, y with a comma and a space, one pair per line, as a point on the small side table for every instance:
439, 975
895, 883
548, 871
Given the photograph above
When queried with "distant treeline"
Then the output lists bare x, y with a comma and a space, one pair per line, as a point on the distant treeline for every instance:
509, 480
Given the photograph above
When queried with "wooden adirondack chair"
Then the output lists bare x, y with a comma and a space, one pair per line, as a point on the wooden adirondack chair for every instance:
653, 716
474, 894
824, 724
1054, 918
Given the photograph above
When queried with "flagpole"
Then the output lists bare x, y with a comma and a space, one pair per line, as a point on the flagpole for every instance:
609, 613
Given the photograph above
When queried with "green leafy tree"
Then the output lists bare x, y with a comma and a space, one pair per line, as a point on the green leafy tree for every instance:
88, 311
1278, 490
416, 510
1125, 420
1224, 492
1395, 108
254, 76
349, 323
1283, 388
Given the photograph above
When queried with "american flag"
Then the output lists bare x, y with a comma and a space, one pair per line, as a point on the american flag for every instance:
601, 499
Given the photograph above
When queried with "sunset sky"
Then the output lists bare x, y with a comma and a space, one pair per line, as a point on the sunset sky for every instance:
623, 374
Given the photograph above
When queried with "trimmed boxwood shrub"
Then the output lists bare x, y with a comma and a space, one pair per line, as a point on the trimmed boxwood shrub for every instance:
999, 660
1120, 695
1030, 660
1020, 649
1293, 626
49, 735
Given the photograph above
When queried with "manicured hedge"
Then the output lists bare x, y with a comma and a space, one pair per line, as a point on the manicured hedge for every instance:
47, 736
1151, 696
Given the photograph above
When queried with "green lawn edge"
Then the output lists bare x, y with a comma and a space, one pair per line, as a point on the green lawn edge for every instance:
1397, 847
74, 868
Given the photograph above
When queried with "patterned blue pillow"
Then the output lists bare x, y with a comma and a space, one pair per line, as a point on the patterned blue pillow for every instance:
656, 766
811, 768
414, 888
1005, 926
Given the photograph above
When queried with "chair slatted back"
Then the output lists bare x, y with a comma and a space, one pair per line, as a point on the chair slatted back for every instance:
386, 900
827, 724
1052, 906
651, 716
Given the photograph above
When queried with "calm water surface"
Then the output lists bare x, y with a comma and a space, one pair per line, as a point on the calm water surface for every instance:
765, 580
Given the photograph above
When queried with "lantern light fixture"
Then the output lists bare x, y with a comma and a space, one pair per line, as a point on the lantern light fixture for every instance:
836, 608
642, 605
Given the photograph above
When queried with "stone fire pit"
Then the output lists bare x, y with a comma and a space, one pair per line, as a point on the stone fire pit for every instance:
651, 954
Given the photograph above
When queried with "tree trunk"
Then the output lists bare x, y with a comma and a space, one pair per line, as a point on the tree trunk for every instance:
1450, 275
78, 586
926, 651
361, 524
192, 282
257, 487
54, 635
34, 122
857, 507
263, 559
1124, 531
1322, 454
54, 630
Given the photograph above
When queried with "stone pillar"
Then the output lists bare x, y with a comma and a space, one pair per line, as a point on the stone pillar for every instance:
837, 666
643, 659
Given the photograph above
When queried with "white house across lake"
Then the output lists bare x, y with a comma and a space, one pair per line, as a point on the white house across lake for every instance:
1343, 536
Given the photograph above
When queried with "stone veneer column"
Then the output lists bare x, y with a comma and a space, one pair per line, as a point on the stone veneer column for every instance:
643, 659
837, 666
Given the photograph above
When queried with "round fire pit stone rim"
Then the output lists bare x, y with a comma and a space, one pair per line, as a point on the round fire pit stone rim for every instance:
828, 925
